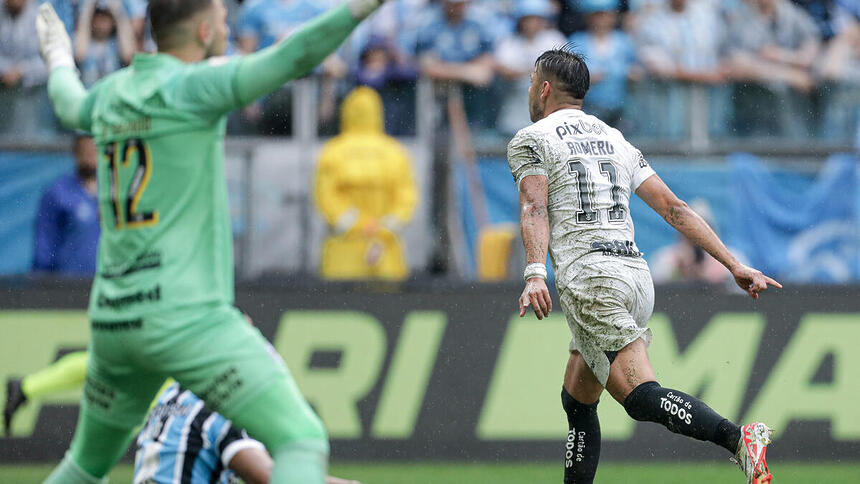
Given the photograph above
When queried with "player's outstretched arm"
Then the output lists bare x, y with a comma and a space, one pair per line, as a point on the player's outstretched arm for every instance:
675, 211
65, 88
534, 219
296, 56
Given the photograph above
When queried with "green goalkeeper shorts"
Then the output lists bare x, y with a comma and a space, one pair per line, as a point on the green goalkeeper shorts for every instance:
210, 350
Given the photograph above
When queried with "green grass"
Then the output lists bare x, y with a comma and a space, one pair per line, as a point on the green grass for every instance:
610, 473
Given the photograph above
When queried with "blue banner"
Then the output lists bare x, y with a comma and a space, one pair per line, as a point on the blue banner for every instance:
795, 227
789, 223
24, 177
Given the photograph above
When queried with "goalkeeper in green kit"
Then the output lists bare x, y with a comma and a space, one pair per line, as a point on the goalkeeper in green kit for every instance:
162, 301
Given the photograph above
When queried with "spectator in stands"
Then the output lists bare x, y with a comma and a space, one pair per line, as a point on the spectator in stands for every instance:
104, 40
775, 44
681, 44
20, 63
640, 9
382, 64
847, 11
841, 61
839, 71
497, 16
610, 57
387, 70
686, 262
397, 22
823, 13
67, 226
453, 47
516, 58
70, 12
264, 22
366, 192
774, 41
683, 41
22, 72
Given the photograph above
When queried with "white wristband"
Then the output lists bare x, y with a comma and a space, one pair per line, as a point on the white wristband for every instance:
534, 270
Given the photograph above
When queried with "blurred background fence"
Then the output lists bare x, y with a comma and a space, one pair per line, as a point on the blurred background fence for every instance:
788, 204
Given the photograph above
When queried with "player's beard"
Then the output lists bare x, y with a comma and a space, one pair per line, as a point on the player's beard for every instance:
535, 109
86, 172
218, 46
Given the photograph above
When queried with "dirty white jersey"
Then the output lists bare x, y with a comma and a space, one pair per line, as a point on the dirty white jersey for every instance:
592, 171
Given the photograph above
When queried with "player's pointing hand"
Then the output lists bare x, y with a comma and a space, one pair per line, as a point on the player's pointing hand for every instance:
536, 295
752, 281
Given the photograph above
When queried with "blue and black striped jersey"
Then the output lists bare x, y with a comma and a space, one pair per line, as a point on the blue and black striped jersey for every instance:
183, 442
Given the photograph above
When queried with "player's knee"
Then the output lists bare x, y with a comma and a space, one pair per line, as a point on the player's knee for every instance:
573, 408
636, 404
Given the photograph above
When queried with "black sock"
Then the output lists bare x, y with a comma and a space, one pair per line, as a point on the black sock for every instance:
582, 449
728, 436
682, 414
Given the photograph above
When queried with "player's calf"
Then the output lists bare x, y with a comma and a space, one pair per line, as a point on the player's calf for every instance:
582, 448
682, 414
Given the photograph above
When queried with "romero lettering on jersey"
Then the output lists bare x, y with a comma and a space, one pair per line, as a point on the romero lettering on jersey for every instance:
587, 148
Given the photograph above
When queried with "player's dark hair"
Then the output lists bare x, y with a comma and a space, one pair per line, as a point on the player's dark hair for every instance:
567, 69
165, 15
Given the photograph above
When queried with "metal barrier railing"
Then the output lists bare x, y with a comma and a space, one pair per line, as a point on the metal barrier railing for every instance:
691, 106
305, 140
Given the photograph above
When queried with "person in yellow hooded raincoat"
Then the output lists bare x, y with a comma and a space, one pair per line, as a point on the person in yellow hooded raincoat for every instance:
366, 192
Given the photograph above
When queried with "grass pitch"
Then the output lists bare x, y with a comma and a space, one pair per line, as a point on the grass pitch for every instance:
458, 473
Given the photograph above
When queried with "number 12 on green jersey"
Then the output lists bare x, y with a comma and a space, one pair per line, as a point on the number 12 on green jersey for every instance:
125, 198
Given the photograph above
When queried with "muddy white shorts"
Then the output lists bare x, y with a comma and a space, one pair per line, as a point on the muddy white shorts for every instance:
607, 301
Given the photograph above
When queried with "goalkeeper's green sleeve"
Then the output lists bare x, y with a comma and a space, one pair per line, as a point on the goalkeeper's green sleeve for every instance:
68, 94
255, 75
265, 71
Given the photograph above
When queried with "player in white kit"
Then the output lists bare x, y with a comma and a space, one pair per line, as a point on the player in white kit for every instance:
575, 176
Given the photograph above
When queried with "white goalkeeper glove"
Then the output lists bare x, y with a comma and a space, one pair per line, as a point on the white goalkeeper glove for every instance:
362, 8
54, 42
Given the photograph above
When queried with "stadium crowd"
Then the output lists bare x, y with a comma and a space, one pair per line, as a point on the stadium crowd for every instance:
785, 67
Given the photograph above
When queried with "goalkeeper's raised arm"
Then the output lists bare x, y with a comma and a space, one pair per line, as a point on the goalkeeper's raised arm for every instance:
192, 31
296, 56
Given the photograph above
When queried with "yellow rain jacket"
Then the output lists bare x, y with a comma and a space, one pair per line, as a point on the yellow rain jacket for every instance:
366, 191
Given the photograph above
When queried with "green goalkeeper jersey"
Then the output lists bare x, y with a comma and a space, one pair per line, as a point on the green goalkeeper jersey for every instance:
159, 125
166, 239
